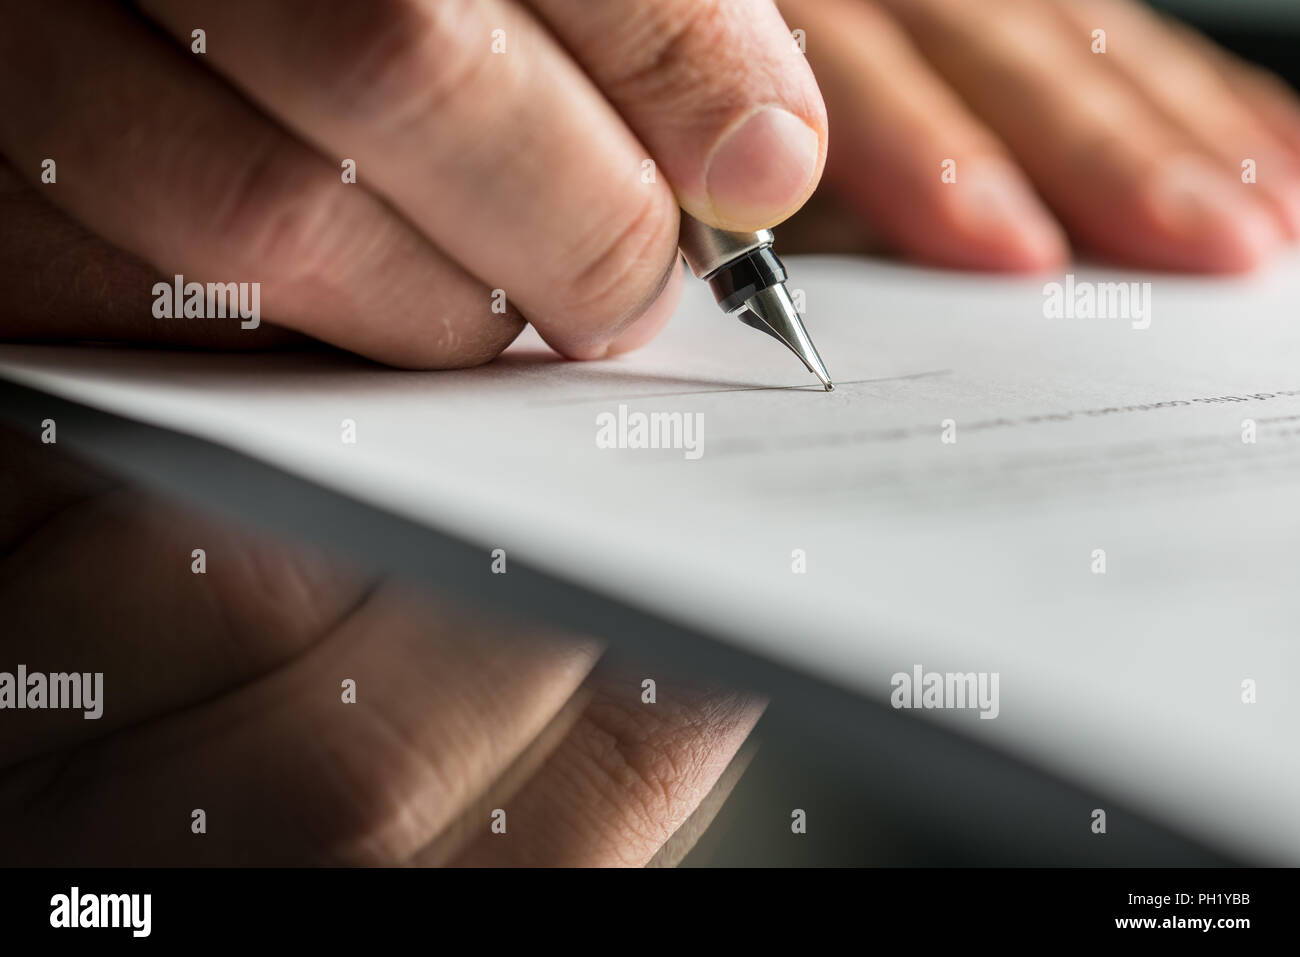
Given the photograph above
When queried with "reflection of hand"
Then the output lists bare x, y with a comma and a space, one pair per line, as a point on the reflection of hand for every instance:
1137, 152
223, 692
498, 144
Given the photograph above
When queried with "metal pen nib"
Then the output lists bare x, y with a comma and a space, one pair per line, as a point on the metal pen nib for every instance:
749, 281
772, 311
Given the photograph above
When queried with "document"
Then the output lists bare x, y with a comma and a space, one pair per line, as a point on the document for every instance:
1060, 515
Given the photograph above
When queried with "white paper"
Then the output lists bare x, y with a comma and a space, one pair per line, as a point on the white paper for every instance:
1072, 435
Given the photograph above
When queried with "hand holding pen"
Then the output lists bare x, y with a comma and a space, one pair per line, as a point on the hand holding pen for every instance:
414, 181
410, 181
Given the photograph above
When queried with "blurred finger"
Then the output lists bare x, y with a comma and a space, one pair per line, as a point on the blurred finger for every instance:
910, 156
1269, 97
102, 580
1174, 75
1122, 178
1262, 93
625, 779
289, 772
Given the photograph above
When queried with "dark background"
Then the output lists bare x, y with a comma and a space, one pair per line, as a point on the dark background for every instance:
1265, 31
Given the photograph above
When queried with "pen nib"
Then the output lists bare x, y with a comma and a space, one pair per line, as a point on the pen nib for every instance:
772, 311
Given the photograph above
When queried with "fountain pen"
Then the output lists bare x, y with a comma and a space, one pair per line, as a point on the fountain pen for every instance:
749, 281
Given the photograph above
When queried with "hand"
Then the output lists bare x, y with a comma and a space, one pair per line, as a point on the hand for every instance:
223, 692
498, 144
1136, 153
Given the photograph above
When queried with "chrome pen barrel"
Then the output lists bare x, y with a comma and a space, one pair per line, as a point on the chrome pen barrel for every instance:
707, 249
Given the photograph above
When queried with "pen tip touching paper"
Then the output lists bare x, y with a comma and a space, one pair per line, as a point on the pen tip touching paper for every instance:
772, 311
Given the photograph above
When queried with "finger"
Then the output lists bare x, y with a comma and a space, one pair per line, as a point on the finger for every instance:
60, 281
718, 92
692, 831
164, 161
110, 584
653, 320
1121, 178
513, 162
1184, 85
910, 156
1267, 96
625, 779
288, 773
488, 806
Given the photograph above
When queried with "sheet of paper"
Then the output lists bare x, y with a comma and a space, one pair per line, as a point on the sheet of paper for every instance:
1129, 435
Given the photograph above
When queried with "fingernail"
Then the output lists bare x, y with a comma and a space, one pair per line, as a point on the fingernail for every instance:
992, 194
639, 327
653, 320
1194, 197
762, 170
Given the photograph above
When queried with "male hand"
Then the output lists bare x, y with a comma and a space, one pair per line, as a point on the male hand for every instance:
537, 147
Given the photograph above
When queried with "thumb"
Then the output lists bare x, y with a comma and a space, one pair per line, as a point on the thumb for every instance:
717, 90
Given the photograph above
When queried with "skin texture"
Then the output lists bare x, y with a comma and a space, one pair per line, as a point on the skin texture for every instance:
222, 691
523, 170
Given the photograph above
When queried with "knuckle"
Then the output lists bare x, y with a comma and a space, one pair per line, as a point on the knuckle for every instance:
409, 58
287, 600
277, 220
382, 802
621, 271
660, 51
